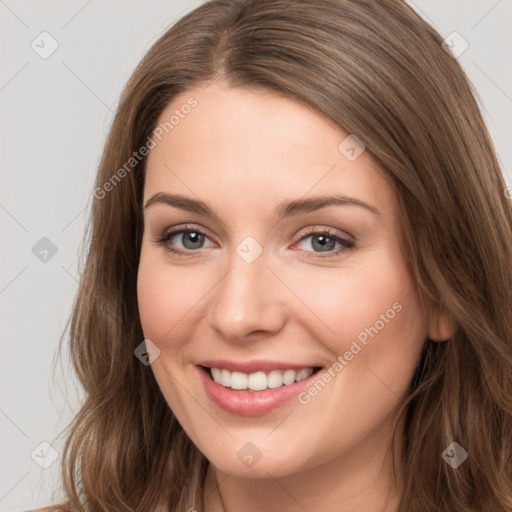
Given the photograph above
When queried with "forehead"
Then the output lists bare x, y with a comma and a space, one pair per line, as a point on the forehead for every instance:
257, 145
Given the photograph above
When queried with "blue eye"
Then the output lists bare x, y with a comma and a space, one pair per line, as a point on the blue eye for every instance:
190, 238
323, 242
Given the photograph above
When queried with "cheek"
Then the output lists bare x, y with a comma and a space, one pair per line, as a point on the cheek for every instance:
348, 302
371, 316
153, 295
172, 304
162, 302
164, 297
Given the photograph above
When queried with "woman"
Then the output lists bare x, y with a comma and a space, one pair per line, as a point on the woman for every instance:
296, 295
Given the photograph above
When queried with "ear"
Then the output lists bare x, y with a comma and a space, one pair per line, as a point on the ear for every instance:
441, 326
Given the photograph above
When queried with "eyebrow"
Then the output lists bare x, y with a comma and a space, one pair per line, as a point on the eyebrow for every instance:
284, 209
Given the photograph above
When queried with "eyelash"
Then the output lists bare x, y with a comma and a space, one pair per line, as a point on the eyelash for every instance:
346, 244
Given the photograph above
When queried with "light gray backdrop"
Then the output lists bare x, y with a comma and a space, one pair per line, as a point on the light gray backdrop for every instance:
63, 67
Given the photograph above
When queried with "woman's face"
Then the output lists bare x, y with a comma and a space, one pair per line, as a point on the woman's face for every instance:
287, 261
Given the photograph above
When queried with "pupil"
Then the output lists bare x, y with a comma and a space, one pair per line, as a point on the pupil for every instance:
196, 238
326, 242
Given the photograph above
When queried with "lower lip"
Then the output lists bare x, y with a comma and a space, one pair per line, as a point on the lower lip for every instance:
251, 403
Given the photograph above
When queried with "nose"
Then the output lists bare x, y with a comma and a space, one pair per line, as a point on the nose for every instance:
248, 303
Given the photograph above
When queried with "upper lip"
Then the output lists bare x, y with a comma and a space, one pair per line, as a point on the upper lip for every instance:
256, 365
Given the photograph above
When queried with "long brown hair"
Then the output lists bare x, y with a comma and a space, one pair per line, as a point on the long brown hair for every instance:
377, 70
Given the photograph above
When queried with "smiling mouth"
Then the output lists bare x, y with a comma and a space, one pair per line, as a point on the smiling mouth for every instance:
258, 381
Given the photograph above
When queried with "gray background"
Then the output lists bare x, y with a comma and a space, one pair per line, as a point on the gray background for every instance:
55, 116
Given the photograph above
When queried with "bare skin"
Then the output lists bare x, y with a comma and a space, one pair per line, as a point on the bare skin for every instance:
243, 152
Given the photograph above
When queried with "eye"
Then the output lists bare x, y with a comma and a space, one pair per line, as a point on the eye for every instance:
189, 237
186, 240
323, 243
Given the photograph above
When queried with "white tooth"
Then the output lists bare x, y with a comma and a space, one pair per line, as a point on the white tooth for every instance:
303, 374
217, 375
275, 379
257, 381
238, 380
299, 375
226, 378
289, 377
